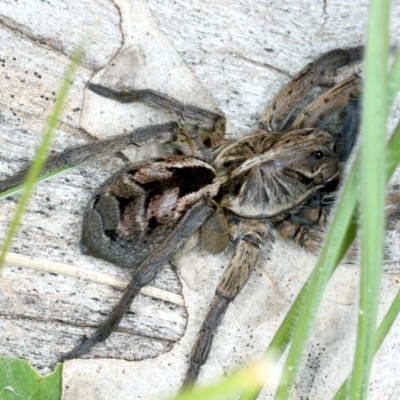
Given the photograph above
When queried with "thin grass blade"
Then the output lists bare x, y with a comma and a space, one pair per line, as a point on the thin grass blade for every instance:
380, 335
41, 153
372, 191
245, 379
41, 178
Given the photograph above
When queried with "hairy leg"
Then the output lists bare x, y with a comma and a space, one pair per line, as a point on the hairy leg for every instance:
211, 125
236, 275
307, 228
334, 99
163, 133
146, 272
283, 104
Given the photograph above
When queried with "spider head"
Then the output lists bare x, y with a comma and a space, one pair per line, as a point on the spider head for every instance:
264, 175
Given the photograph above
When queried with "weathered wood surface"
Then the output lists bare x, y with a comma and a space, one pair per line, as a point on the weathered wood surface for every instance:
241, 53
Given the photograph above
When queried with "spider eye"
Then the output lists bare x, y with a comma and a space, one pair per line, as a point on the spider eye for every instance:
318, 154
335, 149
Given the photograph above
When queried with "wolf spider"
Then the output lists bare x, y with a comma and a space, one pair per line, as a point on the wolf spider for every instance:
282, 178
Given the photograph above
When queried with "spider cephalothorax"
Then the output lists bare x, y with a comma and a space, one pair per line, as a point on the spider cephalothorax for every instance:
265, 175
282, 178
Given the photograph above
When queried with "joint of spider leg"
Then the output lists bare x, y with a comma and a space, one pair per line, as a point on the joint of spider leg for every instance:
256, 241
302, 236
158, 133
264, 127
297, 232
216, 200
212, 202
334, 59
72, 156
220, 124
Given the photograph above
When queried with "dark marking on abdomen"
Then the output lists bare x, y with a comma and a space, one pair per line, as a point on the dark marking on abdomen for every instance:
191, 179
123, 202
111, 234
153, 223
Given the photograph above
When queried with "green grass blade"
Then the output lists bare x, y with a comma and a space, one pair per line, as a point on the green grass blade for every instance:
380, 335
232, 385
41, 153
372, 191
41, 178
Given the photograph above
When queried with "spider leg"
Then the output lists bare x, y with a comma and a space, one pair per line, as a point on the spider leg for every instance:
212, 125
244, 258
162, 133
307, 227
308, 230
283, 104
349, 131
334, 99
301, 234
144, 274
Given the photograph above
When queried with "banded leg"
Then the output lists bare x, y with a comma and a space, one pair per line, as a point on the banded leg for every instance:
304, 235
282, 106
144, 274
211, 124
245, 256
307, 228
334, 99
162, 133
301, 234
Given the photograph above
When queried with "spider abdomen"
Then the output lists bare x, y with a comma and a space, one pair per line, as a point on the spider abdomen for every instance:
136, 209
